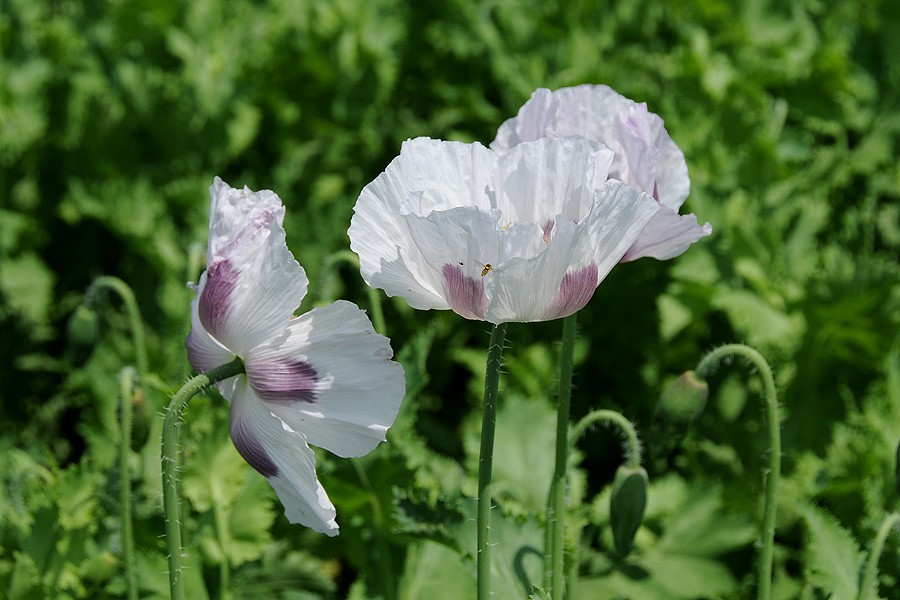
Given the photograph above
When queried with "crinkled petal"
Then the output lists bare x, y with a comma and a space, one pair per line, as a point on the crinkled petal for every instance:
428, 175
560, 280
536, 181
281, 455
646, 156
349, 388
667, 235
253, 284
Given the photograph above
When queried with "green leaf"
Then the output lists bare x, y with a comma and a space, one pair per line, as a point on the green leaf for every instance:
833, 559
516, 551
659, 576
27, 285
523, 452
435, 572
250, 519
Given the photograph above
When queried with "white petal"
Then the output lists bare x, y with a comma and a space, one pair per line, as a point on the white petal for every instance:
284, 458
646, 156
536, 181
533, 121
667, 235
357, 389
253, 284
428, 175
552, 285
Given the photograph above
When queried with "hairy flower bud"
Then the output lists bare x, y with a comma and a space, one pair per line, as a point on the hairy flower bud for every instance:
627, 505
679, 405
684, 399
82, 331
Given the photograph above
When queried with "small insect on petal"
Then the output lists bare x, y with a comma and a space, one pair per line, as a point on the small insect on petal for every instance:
487, 269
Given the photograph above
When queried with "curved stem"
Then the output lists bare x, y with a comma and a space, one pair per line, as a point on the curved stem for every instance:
554, 538
486, 458
768, 525
633, 443
326, 286
126, 396
169, 457
867, 590
134, 316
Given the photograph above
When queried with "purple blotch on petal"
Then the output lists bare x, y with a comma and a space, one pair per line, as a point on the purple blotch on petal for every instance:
465, 295
283, 381
575, 291
248, 446
221, 281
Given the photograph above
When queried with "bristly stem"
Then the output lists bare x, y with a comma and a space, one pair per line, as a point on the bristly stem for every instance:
486, 458
868, 590
703, 369
134, 316
126, 397
171, 498
632, 442
554, 538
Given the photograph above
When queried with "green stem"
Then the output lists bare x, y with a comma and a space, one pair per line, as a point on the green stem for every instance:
554, 535
868, 589
224, 539
385, 568
169, 457
134, 316
768, 525
377, 312
326, 286
486, 459
633, 443
126, 397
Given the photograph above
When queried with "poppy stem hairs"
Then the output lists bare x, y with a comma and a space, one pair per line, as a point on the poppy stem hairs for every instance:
127, 393
171, 497
486, 458
705, 367
554, 551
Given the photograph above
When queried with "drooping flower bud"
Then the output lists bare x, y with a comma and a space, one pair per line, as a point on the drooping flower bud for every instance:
83, 330
679, 405
627, 505
684, 399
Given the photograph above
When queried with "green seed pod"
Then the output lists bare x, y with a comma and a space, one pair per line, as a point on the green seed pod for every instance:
83, 330
627, 505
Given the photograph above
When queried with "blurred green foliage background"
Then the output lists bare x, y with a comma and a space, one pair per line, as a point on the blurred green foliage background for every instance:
115, 116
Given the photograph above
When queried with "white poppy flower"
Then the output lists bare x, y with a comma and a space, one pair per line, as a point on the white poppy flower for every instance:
323, 378
523, 236
645, 155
